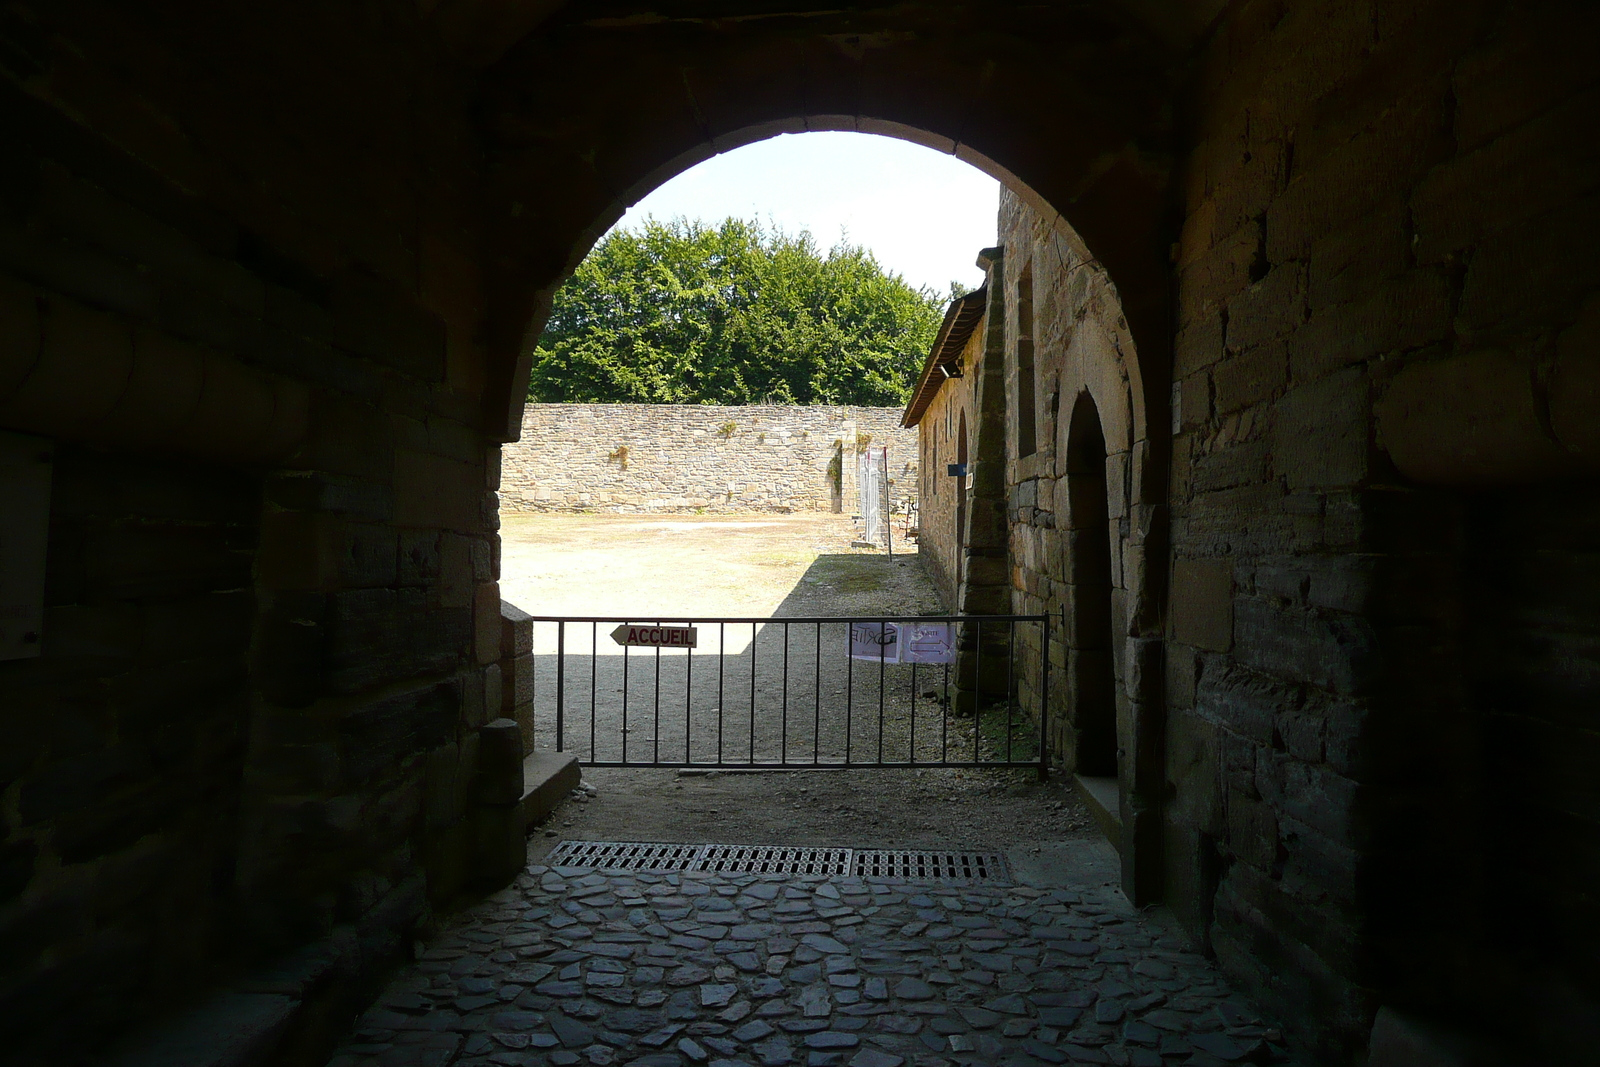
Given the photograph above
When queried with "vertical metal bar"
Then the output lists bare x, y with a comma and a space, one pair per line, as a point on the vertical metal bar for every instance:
783, 738
594, 685
1011, 677
656, 750
944, 711
849, 685
883, 659
752, 692
1044, 695
816, 728
911, 750
977, 691
561, 685
624, 703
688, 698
722, 664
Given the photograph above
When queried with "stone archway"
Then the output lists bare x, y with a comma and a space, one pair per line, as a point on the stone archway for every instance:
1091, 670
1081, 136
1082, 139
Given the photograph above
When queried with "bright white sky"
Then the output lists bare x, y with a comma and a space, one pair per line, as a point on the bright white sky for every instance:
924, 214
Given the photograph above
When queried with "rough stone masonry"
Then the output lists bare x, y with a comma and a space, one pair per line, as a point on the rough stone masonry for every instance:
693, 457
269, 278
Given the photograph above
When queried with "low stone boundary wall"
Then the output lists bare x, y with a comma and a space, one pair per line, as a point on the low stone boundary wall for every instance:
688, 457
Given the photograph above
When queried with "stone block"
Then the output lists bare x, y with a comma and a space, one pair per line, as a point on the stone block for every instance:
457, 581
1239, 464
19, 334
1350, 177
379, 733
420, 558
436, 491
1336, 651
84, 360
1268, 309
1202, 603
486, 622
1514, 177
1525, 277
1469, 420
300, 550
1219, 273
1361, 256
1193, 402
442, 787
516, 630
1407, 313
1250, 377
1322, 433
517, 673
368, 555
1252, 832
374, 318
547, 778
493, 682
1199, 344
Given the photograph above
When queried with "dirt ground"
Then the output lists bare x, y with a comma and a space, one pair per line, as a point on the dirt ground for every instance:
769, 566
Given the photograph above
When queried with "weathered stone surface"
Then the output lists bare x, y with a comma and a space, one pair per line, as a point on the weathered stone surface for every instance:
676, 457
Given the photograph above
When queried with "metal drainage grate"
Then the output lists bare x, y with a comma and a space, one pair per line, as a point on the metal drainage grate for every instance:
624, 856
908, 864
930, 866
769, 859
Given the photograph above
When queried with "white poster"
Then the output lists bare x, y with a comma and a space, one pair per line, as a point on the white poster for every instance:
877, 641
927, 642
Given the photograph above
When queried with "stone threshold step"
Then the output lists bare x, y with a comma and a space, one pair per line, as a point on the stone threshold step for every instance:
547, 778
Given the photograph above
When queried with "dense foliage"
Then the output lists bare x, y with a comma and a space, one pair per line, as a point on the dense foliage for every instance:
684, 313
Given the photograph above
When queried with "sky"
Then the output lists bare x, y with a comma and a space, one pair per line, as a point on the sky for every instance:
924, 214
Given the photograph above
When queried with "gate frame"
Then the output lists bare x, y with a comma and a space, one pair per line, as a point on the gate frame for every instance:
1041, 765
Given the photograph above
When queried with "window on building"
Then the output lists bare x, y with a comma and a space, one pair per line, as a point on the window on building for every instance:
1027, 407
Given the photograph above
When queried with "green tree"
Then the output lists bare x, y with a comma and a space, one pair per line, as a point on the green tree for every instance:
738, 313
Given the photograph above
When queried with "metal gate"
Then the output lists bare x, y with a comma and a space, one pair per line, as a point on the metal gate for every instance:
879, 691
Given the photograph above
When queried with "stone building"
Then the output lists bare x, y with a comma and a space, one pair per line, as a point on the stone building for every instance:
269, 277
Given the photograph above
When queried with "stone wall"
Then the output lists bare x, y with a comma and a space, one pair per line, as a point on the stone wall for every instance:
271, 620
1338, 603
687, 457
269, 276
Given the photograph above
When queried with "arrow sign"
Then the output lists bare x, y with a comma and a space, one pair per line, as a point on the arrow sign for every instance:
656, 636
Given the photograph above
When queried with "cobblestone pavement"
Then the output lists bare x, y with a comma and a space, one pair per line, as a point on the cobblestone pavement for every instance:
574, 966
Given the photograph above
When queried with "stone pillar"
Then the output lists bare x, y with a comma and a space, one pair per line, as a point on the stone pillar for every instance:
983, 652
516, 669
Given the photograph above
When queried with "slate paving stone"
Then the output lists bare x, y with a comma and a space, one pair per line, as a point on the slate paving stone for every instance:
913, 989
742, 969
571, 1032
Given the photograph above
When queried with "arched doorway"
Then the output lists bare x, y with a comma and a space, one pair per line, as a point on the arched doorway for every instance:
1091, 667
565, 161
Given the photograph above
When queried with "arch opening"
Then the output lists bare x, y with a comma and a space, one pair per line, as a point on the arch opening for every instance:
1091, 670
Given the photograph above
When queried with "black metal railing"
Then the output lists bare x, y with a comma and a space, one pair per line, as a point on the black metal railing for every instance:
871, 691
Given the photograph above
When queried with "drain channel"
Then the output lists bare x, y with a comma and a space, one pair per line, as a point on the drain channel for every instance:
917, 865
